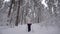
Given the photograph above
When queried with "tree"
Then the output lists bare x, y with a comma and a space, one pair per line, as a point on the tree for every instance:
12, 1
17, 17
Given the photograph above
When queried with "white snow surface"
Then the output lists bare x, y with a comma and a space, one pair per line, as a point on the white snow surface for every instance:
35, 29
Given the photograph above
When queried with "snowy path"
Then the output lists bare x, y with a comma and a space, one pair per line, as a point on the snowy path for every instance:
36, 29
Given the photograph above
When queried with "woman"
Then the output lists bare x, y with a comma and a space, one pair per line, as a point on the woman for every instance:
29, 23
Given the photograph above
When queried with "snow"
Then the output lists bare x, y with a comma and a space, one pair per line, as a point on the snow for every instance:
6, 0
35, 29
44, 3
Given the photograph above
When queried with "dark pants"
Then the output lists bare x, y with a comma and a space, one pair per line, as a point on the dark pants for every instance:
29, 27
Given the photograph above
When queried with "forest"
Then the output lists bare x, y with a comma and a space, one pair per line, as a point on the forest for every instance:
14, 12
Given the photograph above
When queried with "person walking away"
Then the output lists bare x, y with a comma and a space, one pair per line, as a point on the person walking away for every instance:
29, 23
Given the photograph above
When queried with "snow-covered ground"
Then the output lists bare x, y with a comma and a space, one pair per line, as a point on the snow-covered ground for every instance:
36, 29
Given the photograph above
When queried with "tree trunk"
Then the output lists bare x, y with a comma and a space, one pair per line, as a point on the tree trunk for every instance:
17, 17
10, 8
